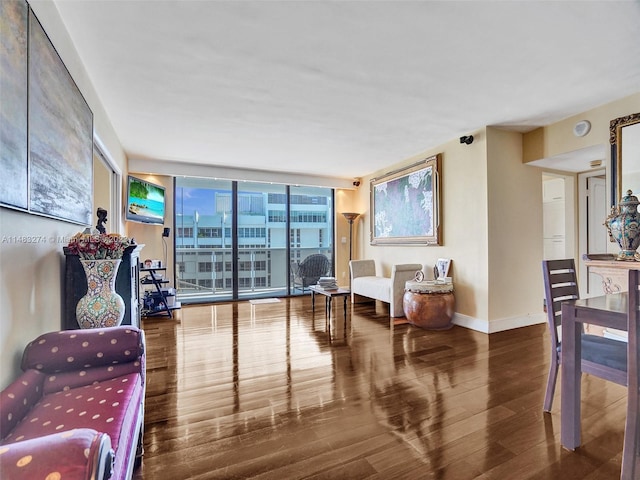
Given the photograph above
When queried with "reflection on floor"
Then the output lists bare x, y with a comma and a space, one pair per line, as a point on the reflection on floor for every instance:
271, 391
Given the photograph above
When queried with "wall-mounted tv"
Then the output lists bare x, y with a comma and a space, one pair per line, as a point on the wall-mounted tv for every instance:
145, 201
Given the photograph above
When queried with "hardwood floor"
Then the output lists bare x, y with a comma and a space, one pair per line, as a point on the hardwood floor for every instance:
262, 391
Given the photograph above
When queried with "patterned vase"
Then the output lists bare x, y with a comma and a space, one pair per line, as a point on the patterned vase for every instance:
624, 226
101, 306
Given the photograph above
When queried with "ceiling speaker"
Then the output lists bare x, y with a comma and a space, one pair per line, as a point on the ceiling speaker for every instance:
581, 128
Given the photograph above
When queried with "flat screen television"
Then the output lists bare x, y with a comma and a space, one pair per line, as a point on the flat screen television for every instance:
145, 201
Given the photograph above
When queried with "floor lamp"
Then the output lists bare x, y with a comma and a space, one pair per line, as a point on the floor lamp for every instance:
350, 218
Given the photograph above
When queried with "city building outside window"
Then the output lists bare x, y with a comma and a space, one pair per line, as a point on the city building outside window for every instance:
267, 242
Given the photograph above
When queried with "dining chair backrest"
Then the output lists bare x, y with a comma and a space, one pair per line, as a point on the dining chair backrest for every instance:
631, 451
560, 285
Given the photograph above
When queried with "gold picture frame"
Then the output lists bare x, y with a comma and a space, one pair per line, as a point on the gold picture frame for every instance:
405, 205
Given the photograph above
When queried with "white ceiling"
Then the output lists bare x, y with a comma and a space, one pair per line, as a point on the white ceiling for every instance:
344, 88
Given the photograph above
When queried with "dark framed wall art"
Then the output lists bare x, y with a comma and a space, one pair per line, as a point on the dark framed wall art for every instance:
405, 205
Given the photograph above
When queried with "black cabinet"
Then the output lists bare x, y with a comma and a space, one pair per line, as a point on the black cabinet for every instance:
127, 286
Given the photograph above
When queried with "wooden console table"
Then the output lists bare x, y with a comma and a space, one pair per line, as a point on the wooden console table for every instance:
615, 279
614, 273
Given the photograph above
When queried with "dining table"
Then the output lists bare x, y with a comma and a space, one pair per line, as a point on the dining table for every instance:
607, 311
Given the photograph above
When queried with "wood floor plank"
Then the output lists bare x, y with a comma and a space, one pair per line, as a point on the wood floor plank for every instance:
236, 391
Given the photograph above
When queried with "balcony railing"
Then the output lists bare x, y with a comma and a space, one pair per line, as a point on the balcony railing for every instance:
205, 274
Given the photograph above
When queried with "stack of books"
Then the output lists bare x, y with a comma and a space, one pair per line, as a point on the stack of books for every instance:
327, 283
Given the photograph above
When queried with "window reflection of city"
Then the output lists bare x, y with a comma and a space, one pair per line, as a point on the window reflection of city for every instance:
364, 364
161, 380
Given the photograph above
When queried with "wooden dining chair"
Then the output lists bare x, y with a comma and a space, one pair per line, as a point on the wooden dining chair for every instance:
603, 357
631, 451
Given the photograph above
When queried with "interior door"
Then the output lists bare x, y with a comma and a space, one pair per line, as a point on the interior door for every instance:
593, 235
597, 235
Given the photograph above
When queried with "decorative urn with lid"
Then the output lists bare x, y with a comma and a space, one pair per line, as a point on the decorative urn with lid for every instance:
624, 226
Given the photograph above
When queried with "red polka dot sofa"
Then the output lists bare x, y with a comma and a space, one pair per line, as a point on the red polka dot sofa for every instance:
77, 410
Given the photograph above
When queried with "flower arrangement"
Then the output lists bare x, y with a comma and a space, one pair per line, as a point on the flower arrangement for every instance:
90, 246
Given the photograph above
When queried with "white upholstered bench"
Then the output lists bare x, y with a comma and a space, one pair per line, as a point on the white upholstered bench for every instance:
365, 283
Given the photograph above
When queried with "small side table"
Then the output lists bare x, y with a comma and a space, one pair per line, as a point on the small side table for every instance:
429, 304
329, 294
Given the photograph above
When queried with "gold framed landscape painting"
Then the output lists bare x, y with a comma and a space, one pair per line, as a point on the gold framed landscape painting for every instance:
405, 205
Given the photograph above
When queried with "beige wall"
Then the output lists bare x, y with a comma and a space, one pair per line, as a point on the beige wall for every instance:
515, 233
464, 227
31, 258
492, 229
558, 138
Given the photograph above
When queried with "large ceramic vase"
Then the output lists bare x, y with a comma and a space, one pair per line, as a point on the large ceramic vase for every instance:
624, 226
429, 305
101, 306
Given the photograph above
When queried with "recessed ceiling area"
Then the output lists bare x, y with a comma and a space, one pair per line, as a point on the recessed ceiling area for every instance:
575, 161
344, 88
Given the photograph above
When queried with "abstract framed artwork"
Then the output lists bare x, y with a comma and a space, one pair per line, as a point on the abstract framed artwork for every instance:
14, 191
60, 136
405, 205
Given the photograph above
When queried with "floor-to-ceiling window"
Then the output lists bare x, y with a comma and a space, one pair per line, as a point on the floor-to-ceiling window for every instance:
203, 253
247, 239
310, 235
262, 252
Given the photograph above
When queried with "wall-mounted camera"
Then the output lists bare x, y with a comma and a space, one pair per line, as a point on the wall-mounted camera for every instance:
356, 182
467, 139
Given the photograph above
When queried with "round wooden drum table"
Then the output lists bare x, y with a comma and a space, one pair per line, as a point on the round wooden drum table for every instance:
429, 304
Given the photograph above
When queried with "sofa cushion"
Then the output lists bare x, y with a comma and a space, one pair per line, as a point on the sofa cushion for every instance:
111, 406
90, 376
373, 287
60, 455
81, 349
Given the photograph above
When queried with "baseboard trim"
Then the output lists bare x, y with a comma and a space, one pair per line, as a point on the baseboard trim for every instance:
471, 323
498, 325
